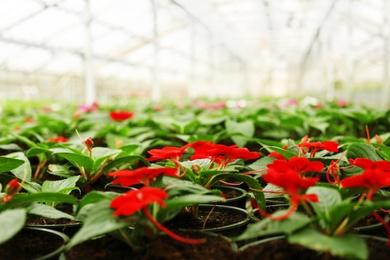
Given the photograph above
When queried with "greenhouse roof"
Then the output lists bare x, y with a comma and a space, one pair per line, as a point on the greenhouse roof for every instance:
256, 46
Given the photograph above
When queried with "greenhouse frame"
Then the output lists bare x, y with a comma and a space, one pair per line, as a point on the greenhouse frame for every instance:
101, 49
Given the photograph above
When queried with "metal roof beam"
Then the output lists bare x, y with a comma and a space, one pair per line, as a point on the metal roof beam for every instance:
313, 40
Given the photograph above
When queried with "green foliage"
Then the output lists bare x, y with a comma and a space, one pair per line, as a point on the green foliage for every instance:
240, 132
8, 164
11, 222
349, 246
362, 150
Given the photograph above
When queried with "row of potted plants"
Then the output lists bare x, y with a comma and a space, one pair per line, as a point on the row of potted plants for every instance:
133, 173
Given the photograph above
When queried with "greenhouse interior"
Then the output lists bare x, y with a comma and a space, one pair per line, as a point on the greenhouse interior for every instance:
195, 129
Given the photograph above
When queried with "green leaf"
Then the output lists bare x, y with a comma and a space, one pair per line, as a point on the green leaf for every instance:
77, 159
8, 164
114, 141
366, 208
34, 151
24, 170
286, 154
349, 246
384, 151
22, 199
11, 222
61, 186
250, 181
190, 199
11, 147
24, 140
100, 220
211, 120
327, 197
125, 160
261, 164
99, 154
60, 170
47, 212
32, 187
96, 196
362, 150
240, 131
267, 226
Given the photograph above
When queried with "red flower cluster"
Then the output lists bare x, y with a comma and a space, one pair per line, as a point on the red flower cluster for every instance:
135, 200
57, 139
121, 115
142, 175
138, 199
166, 153
314, 147
301, 165
376, 175
219, 153
289, 176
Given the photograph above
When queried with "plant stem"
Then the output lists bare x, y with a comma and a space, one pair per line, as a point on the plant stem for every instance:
170, 233
207, 217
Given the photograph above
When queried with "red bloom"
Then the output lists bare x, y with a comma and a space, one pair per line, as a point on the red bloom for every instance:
290, 180
11, 189
166, 153
57, 139
314, 147
221, 154
135, 200
368, 164
299, 164
142, 175
277, 156
375, 176
121, 115
287, 177
89, 145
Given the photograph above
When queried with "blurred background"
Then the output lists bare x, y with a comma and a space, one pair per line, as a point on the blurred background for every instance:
88, 50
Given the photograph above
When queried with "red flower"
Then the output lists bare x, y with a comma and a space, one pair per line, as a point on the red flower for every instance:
135, 200
286, 176
121, 115
166, 153
11, 189
57, 139
368, 164
299, 164
277, 155
290, 180
375, 176
142, 175
221, 154
314, 147
89, 145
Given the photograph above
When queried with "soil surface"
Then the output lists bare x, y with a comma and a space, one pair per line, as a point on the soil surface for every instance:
29, 244
216, 247
280, 249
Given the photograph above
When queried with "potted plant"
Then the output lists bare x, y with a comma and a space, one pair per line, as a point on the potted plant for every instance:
331, 209
137, 217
